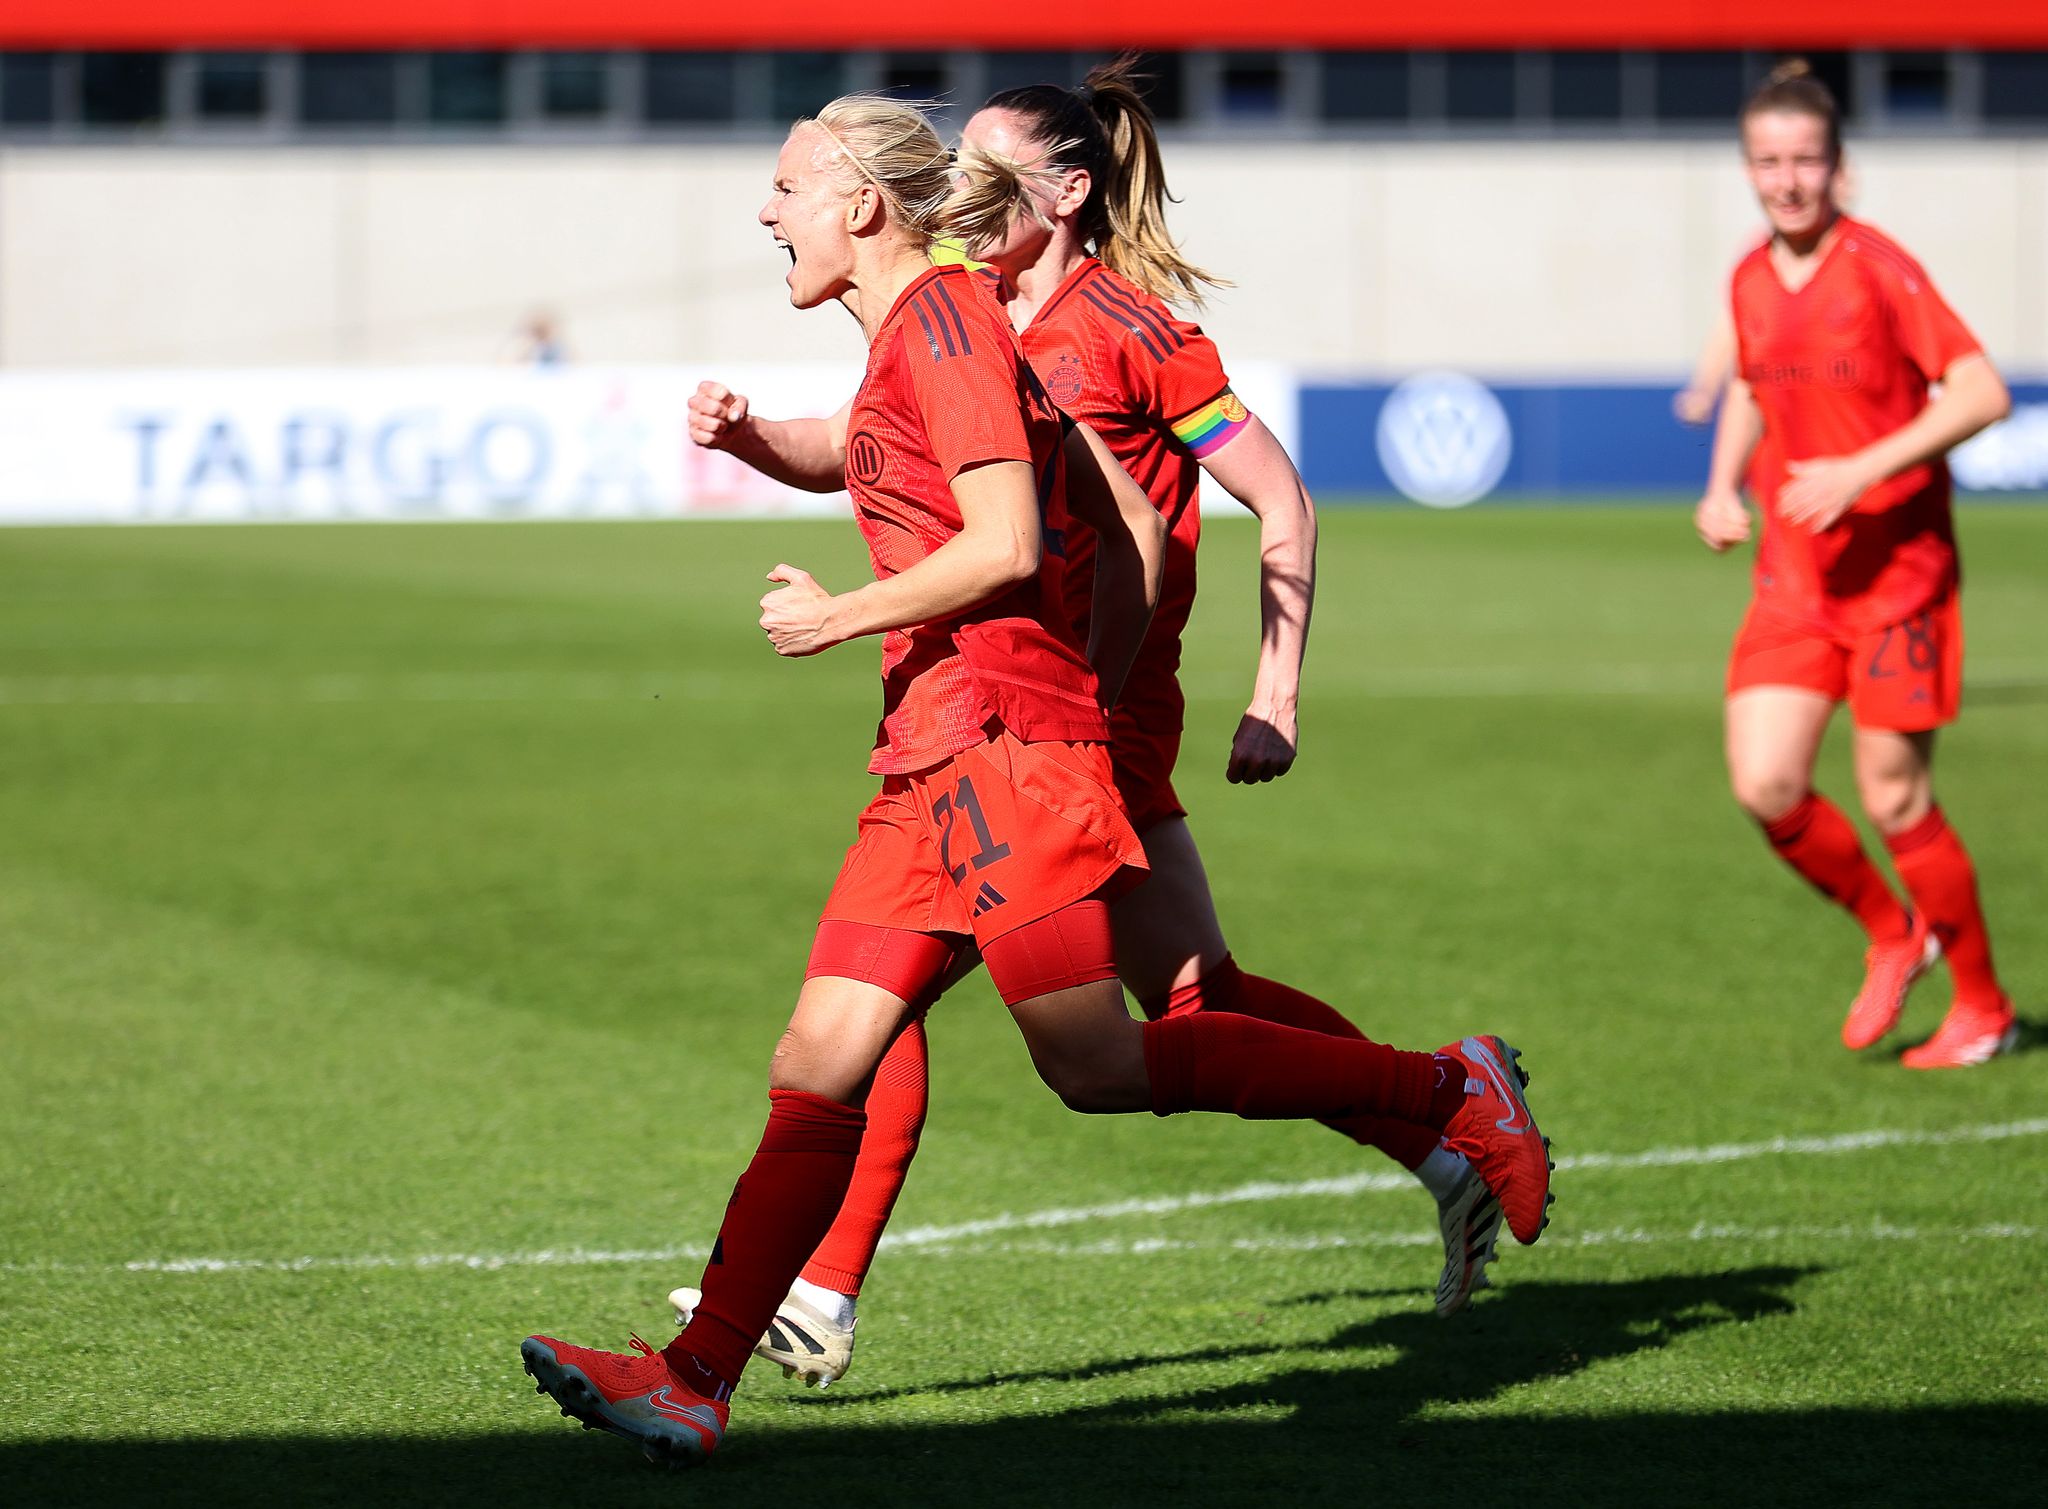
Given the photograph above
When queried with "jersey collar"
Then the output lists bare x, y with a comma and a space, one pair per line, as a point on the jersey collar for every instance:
917, 285
1073, 280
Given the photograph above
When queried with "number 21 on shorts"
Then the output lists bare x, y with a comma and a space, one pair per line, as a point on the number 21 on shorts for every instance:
945, 809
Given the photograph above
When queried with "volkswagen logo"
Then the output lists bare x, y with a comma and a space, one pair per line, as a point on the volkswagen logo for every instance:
1443, 439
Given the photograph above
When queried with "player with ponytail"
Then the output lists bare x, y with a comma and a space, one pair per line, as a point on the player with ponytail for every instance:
1063, 193
997, 825
1830, 423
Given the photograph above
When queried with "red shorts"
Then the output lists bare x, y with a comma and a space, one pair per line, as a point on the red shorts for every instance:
1144, 743
1907, 678
996, 837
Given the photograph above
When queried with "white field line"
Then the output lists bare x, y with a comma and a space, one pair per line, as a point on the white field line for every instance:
1618, 1236
207, 689
964, 1236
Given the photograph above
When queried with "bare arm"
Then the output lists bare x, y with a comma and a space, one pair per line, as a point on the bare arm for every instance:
1130, 556
1824, 488
805, 453
1721, 518
1695, 401
1255, 470
997, 547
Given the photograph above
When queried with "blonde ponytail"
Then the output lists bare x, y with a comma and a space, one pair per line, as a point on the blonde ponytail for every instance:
992, 192
1131, 236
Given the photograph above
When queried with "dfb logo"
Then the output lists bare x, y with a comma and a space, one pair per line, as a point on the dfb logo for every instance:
865, 458
1444, 439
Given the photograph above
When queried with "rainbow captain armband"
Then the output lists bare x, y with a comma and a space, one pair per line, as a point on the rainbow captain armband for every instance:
1214, 425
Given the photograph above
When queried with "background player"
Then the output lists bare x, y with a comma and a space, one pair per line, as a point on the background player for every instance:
1840, 335
1096, 328
1697, 402
997, 819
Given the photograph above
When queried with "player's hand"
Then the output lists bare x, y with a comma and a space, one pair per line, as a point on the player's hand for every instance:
1264, 747
794, 615
1820, 491
1722, 520
1695, 405
716, 415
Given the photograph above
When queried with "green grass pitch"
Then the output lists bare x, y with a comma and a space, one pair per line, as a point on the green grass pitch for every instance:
395, 923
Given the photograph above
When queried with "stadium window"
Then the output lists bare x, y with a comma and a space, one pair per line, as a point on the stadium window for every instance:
2015, 86
914, 75
121, 88
348, 88
465, 88
1248, 86
232, 86
574, 85
1015, 70
1833, 69
800, 82
1585, 86
1163, 80
28, 88
685, 87
1479, 86
1700, 86
1366, 86
1916, 85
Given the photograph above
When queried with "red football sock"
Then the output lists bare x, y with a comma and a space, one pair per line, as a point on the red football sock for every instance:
896, 1109
1218, 1061
778, 1211
1817, 841
1229, 988
1939, 877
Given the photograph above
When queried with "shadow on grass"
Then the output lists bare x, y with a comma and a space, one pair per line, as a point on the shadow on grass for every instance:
1357, 1431
2033, 1036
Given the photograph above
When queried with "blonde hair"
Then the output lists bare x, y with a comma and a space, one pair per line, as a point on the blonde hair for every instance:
1106, 127
887, 145
993, 191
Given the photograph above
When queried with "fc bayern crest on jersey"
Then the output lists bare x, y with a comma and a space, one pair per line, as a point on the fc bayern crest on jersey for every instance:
865, 458
1063, 383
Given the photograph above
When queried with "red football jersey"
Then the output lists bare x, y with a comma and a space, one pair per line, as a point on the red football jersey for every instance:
1835, 365
947, 389
1152, 386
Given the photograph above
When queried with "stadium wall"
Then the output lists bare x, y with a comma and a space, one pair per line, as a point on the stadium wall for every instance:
1524, 261
505, 442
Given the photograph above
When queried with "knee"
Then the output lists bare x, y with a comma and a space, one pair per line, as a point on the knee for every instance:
1080, 1088
1768, 794
793, 1066
1095, 1087
1894, 806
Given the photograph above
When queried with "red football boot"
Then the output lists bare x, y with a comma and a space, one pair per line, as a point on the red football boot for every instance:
1967, 1036
635, 1395
1496, 1133
1889, 970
